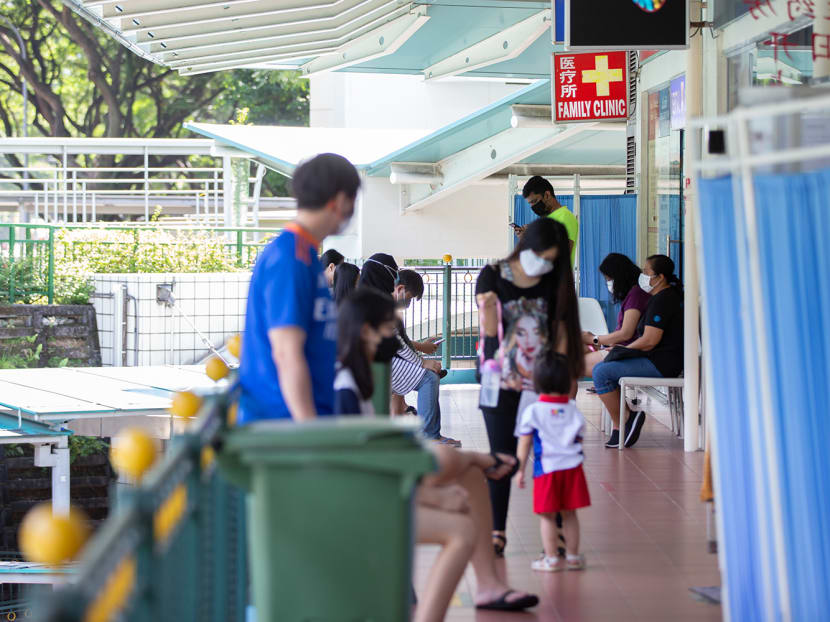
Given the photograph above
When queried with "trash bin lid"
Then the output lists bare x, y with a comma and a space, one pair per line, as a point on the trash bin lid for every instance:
326, 433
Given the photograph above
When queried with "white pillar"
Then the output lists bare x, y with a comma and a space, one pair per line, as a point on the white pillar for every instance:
691, 366
56, 457
821, 39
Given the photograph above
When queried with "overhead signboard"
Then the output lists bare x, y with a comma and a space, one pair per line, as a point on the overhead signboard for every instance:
592, 86
626, 24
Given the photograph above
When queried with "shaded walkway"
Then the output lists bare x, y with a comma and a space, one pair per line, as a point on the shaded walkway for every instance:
644, 536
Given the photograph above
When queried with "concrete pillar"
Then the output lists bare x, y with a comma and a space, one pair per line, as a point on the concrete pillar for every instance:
821, 40
694, 108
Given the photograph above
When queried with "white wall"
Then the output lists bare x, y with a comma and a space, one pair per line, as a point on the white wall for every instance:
215, 303
469, 224
398, 101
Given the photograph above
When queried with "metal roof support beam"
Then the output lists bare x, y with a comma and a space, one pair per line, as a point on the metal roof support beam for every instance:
246, 54
381, 41
486, 158
503, 46
531, 116
415, 173
176, 37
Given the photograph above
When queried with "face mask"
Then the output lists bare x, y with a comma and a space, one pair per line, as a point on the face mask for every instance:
533, 265
539, 208
387, 348
610, 286
645, 283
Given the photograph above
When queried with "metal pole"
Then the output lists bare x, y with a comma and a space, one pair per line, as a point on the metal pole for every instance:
577, 213
63, 176
146, 186
447, 332
50, 277
691, 308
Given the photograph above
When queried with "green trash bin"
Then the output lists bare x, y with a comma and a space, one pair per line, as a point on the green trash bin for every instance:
330, 524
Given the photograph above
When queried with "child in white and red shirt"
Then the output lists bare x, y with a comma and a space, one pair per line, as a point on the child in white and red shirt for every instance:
553, 427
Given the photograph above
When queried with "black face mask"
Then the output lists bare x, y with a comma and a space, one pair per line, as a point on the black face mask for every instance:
539, 208
387, 349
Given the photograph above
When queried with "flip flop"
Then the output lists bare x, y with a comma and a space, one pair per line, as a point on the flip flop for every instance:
499, 463
502, 604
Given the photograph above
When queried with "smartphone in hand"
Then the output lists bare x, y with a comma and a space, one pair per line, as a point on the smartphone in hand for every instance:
439, 341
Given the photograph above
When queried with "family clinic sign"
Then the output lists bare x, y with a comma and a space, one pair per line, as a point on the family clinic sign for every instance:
590, 87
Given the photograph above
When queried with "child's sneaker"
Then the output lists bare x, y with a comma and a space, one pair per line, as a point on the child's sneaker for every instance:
576, 562
548, 564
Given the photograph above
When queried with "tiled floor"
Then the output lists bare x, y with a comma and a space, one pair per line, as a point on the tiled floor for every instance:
644, 536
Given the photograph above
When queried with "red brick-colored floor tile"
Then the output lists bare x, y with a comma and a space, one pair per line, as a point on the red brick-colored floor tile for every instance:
644, 536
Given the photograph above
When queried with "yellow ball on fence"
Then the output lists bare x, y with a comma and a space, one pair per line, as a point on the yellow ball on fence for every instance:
185, 404
132, 452
235, 345
216, 369
447, 258
49, 539
233, 413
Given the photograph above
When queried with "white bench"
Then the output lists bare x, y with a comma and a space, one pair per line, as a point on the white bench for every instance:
647, 387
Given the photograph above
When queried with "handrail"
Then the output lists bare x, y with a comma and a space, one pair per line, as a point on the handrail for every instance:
182, 520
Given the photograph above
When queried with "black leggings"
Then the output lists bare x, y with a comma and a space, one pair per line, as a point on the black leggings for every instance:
501, 424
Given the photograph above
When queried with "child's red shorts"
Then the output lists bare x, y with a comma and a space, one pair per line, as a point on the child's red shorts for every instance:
560, 490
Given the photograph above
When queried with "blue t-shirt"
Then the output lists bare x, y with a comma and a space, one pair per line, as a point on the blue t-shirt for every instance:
288, 288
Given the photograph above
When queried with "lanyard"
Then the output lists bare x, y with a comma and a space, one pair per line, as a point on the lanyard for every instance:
481, 332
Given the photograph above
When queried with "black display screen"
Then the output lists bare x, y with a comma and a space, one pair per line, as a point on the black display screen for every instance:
623, 24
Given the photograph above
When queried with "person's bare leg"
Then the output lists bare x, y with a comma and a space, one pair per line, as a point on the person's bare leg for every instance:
570, 527
489, 584
397, 404
611, 401
550, 534
591, 359
455, 533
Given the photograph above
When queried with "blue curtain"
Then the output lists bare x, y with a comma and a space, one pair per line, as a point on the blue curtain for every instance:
777, 467
607, 224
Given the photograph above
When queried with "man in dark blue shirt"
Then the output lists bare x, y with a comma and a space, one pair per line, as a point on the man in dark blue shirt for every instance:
290, 345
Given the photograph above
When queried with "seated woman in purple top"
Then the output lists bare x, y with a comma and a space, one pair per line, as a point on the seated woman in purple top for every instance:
621, 275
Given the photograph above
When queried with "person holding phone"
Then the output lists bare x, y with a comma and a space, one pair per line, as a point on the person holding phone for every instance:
539, 192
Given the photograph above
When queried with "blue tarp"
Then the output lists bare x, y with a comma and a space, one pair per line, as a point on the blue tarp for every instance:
607, 224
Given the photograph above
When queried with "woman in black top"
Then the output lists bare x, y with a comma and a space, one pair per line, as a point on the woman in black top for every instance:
534, 288
656, 353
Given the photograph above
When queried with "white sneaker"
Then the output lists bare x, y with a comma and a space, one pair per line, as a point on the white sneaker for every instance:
548, 564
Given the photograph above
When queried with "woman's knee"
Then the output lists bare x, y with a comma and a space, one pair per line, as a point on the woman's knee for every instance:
606, 377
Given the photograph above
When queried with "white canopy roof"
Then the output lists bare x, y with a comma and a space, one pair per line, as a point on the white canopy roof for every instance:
284, 147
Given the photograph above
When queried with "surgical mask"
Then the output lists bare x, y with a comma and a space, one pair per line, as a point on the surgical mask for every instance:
387, 348
610, 286
539, 208
533, 265
645, 283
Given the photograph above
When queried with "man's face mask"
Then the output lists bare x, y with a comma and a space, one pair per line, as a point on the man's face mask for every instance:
539, 208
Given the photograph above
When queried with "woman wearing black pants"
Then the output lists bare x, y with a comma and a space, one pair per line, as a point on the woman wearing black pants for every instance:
532, 294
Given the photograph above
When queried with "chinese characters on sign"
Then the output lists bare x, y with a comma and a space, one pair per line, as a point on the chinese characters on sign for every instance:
590, 87
796, 9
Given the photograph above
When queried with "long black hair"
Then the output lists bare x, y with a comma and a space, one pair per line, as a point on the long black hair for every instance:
365, 305
381, 272
563, 308
345, 281
622, 271
661, 264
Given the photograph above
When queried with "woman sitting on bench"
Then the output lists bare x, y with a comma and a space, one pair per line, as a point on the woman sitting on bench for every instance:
622, 279
656, 353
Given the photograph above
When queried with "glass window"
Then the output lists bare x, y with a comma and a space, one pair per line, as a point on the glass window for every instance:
777, 60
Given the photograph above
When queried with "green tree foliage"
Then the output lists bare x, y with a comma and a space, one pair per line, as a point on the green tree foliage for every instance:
84, 83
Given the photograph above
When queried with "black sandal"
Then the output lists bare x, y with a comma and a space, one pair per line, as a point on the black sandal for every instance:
502, 604
498, 465
498, 547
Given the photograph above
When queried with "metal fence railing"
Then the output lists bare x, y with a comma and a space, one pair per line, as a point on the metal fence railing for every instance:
448, 308
174, 549
32, 255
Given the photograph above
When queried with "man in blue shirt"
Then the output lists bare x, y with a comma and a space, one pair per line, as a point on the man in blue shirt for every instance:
290, 345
